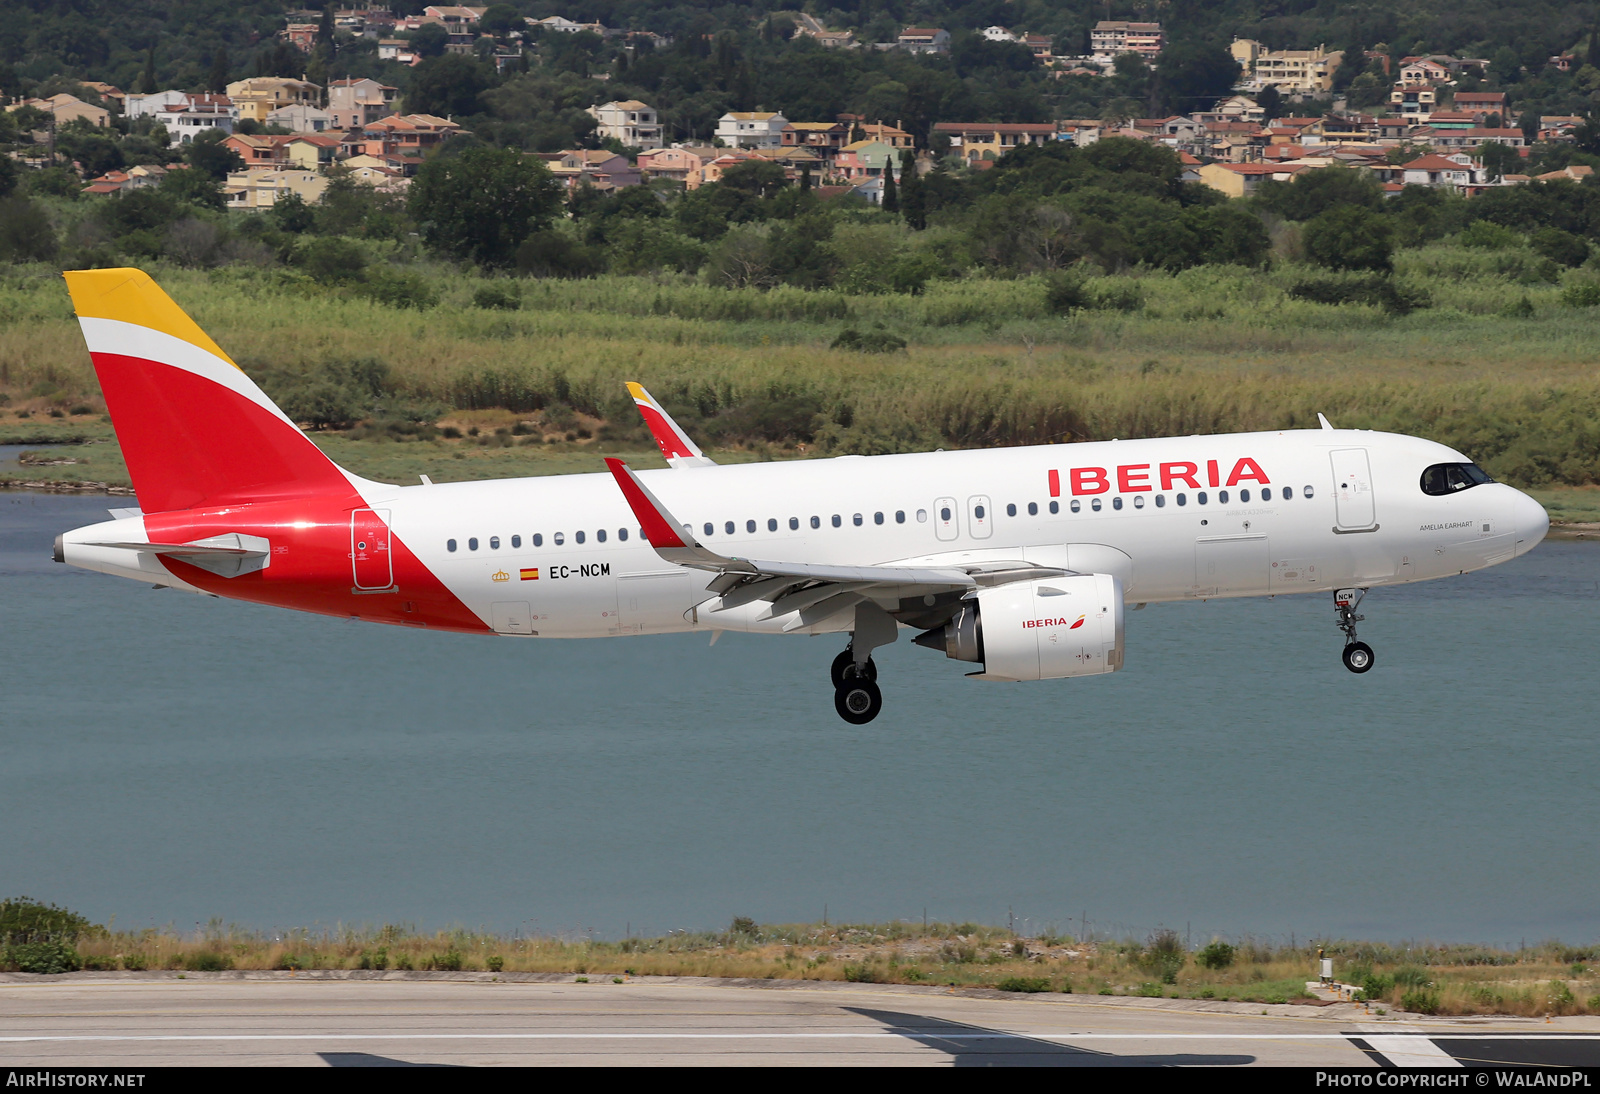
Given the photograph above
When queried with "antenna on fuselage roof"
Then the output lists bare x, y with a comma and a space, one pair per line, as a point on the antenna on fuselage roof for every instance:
1325, 423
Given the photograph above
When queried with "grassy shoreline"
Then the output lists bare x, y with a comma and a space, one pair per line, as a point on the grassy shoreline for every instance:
1546, 979
1214, 349
97, 466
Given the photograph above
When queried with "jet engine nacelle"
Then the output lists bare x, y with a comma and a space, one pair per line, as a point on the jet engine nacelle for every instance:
1038, 630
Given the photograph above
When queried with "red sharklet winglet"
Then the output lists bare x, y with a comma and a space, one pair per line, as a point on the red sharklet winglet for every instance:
659, 526
676, 447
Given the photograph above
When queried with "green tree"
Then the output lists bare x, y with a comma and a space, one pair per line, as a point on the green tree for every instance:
446, 86
480, 206
1310, 193
891, 193
1192, 76
26, 234
1559, 246
1270, 102
500, 20
194, 187
429, 40
1499, 159
147, 78
217, 78
208, 155
913, 203
1349, 237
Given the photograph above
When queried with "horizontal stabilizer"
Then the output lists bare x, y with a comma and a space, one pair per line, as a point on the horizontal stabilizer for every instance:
227, 555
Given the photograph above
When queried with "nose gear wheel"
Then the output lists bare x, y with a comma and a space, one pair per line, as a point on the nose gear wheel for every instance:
1357, 656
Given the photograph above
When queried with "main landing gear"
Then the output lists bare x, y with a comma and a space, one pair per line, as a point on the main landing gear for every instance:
1357, 655
855, 689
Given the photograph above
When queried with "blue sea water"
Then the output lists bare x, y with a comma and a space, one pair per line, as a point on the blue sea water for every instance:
166, 758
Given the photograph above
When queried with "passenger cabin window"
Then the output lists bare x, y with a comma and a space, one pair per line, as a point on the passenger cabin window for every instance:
816, 522
538, 539
1266, 493
516, 541
559, 538
1449, 478
1033, 508
1011, 509
772, 524
1077, 506
922, 516
728, 527
856, 520
1307, 492
600, 536
1095, 505
1161, 501
1222, 497
1288, 493
794, 524
1200, 497
1244, 495
494, 543
710, 528
944, 513
1183, 499
578, 536
977, 511
877, 518
899, 516
472, 544
1055, 507
449, 545
837, 520
622, 534
749, 526
1116, 503
1138, 501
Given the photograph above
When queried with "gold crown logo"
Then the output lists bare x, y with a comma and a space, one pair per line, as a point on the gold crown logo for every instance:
501, 575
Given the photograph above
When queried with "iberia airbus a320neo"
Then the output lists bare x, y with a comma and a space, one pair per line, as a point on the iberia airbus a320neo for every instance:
1019, 559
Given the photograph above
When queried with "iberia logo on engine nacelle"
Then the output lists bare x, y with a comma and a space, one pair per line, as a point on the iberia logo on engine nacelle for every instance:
1074, 625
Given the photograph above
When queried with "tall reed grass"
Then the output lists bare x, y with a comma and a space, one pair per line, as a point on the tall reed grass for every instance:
1546, 979
1212, 349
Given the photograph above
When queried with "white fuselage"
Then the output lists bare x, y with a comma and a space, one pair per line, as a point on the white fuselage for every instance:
1178, 518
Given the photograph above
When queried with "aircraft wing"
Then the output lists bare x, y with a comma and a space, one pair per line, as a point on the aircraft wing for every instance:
674, 443
814, 591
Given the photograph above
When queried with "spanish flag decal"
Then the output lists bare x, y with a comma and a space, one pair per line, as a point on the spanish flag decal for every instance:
530, 573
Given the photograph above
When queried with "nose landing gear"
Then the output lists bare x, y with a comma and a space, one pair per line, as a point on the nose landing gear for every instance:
1358, 656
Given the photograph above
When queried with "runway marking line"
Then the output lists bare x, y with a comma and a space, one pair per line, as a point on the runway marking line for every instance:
901, 1035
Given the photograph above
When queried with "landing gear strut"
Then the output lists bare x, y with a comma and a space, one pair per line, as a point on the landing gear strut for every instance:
1357, 655
855, 689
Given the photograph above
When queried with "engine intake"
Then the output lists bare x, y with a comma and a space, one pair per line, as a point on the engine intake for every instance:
1047, 629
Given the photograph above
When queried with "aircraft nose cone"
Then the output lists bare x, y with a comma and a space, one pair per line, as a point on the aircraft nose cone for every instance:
1530, 521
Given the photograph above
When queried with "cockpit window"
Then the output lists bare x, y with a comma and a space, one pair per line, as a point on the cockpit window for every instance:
1448, 478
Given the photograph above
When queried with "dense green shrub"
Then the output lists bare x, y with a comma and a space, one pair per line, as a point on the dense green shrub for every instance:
872, 341
1420, 1001
494, 297
50, 957
1561, 247
208, 961
1029, 984
449, 961
23, 919
1216, 955
1375, 290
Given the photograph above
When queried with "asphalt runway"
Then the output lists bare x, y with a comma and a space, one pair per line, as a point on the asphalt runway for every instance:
210, 1021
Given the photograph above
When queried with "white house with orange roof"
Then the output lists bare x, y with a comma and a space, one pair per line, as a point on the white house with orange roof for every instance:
629, 121
751, 129
358, 102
